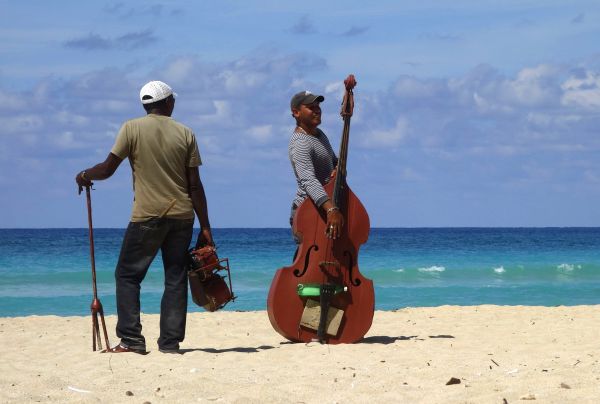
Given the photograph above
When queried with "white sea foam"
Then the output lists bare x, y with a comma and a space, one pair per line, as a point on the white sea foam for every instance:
398, 270
568, 267
499, 270
433, 268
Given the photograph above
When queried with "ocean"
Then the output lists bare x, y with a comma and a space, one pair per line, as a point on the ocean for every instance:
47, 271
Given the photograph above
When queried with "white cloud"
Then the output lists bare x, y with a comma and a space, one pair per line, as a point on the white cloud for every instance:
223, 114
66, 140
179, 70
488, 106
481, 109
336, 87
261, 133
533, 86
411, 87
388, 138
584, 92
236, 82
210, 144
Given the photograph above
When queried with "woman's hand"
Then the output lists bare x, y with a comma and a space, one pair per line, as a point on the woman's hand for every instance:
335, 222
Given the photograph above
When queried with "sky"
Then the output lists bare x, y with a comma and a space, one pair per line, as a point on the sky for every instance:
468, 113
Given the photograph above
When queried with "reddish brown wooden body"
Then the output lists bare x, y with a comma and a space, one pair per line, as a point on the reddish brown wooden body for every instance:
284, 305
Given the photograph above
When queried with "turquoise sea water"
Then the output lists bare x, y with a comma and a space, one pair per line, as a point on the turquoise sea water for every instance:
47, 271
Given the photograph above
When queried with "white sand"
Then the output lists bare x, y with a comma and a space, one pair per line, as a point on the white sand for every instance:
499, 353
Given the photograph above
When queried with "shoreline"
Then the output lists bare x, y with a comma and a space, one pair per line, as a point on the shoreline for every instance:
512, 353
200, 311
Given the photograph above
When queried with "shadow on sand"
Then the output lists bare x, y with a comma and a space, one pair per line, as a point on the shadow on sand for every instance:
384, 339
237, 349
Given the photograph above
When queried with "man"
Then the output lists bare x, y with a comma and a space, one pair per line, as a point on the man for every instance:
313, 159
164, 159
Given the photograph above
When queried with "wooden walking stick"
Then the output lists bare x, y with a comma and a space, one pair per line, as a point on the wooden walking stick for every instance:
96, 306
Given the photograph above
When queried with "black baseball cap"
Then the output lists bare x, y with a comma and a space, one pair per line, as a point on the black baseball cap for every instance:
304, 98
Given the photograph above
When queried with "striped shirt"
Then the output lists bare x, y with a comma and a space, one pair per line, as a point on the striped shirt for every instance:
313, 160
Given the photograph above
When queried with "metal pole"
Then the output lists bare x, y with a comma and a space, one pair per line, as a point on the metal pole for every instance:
96, 306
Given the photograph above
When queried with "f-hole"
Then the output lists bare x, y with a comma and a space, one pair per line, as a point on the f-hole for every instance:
355, 282
299, 273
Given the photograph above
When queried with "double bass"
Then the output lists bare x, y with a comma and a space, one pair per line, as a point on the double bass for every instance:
322, 296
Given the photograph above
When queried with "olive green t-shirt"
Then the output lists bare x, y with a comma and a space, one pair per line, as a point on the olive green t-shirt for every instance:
159, 151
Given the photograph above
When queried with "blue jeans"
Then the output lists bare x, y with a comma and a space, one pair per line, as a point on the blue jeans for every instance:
140, 245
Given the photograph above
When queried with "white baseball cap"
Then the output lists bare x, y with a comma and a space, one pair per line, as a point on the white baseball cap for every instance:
154, 91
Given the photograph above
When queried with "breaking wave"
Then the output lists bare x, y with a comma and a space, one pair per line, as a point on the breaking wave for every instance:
568, 267
432, 269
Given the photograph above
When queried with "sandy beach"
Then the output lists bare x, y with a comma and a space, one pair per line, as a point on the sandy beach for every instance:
498, 353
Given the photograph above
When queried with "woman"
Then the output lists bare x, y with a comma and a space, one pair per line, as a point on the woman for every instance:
313, 160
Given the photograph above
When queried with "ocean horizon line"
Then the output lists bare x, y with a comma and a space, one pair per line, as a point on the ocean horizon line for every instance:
287, 227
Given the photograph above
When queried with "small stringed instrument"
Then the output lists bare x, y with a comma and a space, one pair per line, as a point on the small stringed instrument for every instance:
322, 296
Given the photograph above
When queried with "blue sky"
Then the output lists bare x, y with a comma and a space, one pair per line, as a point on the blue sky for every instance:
468, 113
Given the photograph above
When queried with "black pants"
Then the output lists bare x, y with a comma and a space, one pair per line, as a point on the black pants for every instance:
140, 245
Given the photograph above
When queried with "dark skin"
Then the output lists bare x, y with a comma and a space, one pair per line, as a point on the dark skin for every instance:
308, 118
108, 167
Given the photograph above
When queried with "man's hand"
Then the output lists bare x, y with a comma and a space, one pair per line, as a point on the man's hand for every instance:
205, 238
82, 181
100, 171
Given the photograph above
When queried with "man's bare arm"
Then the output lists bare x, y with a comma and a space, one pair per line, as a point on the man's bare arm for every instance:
100, 171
